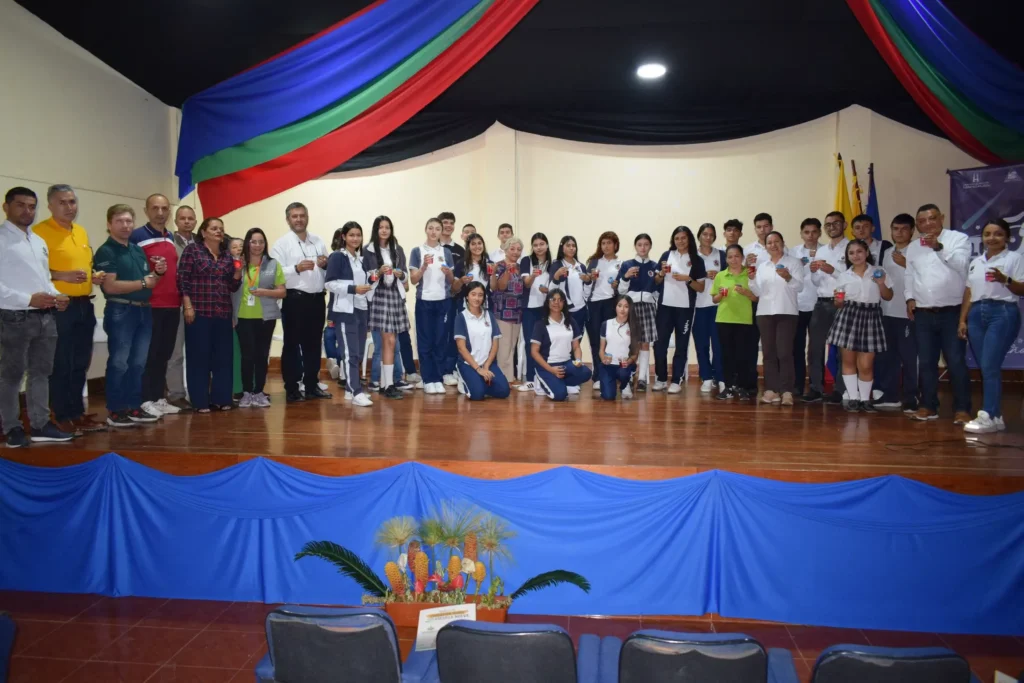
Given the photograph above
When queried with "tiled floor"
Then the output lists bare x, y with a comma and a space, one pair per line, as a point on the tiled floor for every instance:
87, 638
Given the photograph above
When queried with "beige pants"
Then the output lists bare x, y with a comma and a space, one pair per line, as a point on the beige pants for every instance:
507, 347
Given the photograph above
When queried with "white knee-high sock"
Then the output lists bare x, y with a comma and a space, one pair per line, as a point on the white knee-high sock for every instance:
387, 377
865, 389
851, 387
644, 365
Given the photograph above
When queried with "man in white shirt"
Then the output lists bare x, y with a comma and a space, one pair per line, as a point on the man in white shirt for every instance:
900, 355
756, 251
451, 352
935, 281
829, 261
303, 258
504, 232
864, 229
810, 233
28, 330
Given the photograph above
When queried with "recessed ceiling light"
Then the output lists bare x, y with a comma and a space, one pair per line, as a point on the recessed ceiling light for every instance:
651, 71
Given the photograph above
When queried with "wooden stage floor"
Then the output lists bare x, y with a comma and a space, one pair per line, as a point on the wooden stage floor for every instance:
653, 437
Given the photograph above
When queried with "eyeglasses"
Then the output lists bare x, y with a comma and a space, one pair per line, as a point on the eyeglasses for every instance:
835, 224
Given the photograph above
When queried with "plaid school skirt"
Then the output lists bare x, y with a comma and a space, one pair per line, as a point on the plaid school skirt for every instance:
646, 315
858, 327
388, 312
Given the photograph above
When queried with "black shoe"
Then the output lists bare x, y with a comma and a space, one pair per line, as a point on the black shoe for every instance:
136, 415
294, 397
812, 396
910, 407
868, 407
745, 395
317, 392
342, 382
392, 392
641, 386
119, 420
402, 385
50, 433
726, 395
852, 406
16, 438
834, 399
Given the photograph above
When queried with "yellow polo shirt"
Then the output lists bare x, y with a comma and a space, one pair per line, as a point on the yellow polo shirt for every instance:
69, 250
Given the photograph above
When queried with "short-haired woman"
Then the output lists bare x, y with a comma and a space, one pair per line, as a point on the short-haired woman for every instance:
507, 303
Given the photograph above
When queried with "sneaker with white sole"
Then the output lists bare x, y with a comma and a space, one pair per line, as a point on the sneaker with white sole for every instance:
721, 387
348, 395
322, 386
403, 386
998, 422
413, 378
597, 385
525, 386
374, 386
332, 368
627, 391
439, 388
659, 385
261, 400
538, 389
166, 408
573, 391
152, 408
450, 380
362, 400
770, 397
982, 424
246, 400
705, 387
675, 388
419, 385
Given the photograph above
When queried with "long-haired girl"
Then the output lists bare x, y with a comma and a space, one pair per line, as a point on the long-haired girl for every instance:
385, 261
619, 350
430, 269
476, 336
603, 266
534, 269
569, 274
555, 347
348, 281
705, 332
684, 273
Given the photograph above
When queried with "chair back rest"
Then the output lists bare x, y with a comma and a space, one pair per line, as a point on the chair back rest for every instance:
7, 631
655, 656
324, 645
856, 663
473, 652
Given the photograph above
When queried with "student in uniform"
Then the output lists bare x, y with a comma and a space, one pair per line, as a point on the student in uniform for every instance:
776, 282
990, 318
619, 350
430, 267
639, 279
555, 347
810, 232
734, 319
505, 233
506, 303
732, 231
857, 329
900, 357
570, 275
335, 364
705, 332
476, 335
684, 277
534, 269
474, 266
458, 252
389, 317
603, 267
467, 230
347, 279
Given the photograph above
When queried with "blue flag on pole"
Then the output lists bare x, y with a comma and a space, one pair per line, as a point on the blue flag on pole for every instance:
872, 208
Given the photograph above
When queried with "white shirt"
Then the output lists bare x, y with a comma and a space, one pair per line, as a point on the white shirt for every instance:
289, 250
938, 278
344, 302
775, 295
712, 262
574, 288
617, 339
1010, 263
479, 333
433, 283
676, 292
536, 298
498, 255
561, 342
875, 249
607, 268
897, 274
808, 295
24, 267
835, 257
862, 289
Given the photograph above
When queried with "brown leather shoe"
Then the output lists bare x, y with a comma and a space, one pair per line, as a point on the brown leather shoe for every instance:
961, 418
88, 423
70, 427
923, 415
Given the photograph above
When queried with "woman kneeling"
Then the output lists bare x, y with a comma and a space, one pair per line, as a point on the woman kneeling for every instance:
555, 348
476, 336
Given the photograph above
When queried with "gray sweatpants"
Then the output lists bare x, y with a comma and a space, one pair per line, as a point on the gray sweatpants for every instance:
28, 340
176, 365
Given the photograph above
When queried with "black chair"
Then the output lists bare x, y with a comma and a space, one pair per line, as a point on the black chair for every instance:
858, 663
7, 631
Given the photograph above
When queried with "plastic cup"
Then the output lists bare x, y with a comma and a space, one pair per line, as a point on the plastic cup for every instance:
779, 266
373, 276
879, 272
490, 269
840, 295
990, 276
537, 271
924, 242
805, 260
238, 263
666, 268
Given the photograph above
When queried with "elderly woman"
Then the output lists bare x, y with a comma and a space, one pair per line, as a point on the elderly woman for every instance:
507, 303
206, 279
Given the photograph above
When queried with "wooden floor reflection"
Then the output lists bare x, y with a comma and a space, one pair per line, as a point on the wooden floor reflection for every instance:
654, 436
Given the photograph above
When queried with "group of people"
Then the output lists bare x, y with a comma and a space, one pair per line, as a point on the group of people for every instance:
490, 321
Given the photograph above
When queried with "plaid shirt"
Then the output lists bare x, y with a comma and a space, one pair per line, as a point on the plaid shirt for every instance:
206, 281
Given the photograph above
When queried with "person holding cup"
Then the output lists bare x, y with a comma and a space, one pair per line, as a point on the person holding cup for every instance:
534, 269
570, 275
640, 279
826, 266
857, 329
734, 319
705, 332
807, 299
348, 280
990, 318
384, 259
430, 270
506, 304
474, 266
620, 348
476, 336
555, 347
684, 274
603, 268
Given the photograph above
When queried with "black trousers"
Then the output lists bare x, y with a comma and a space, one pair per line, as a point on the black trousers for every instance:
303, 317
161, 347
803, 324
75, 327
254, 337
736, 341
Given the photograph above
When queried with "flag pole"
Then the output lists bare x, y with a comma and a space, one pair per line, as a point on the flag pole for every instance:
856, 186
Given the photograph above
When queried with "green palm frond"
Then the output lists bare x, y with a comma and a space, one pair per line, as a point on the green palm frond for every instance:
396, 532
348, 564
552, 578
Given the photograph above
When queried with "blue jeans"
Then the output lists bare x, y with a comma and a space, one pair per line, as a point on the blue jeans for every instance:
430, 339
378, 357
128, 329
209, 348
477, 388
611, 376
75, 327
557, 388
331, 343
992, 327
937, 331
705, 340
898, 360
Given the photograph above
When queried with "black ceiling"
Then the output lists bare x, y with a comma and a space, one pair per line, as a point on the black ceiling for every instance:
566, 55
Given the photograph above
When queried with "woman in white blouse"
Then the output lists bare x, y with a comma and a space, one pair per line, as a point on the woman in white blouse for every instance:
777, 282
857, 329
476, 337
990, 318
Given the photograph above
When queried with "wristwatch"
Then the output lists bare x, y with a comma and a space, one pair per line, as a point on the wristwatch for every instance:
938, 246
144, 285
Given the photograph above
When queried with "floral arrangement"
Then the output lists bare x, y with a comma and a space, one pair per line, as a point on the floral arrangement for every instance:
464, 544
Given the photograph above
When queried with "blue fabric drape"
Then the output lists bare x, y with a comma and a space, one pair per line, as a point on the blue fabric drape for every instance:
885, 553
994, 84
309, 78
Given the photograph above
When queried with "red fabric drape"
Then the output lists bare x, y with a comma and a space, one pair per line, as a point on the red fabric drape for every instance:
918, 90
229, 192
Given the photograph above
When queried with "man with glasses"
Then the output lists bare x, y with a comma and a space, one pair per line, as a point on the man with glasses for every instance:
828, 263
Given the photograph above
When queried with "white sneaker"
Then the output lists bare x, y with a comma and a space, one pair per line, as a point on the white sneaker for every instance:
362, 400
152, 408
597, 385
166, 408
525, 386
539, 389
998, 422
659, 386
573, 391
877, 394
721, 387
419, 385
246, 400
705, 387
323, 387
332, 368
675, 388
463, 389
450, 380
983, 424
439, 388
413, 378
627, 391
348, 395
261, 401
